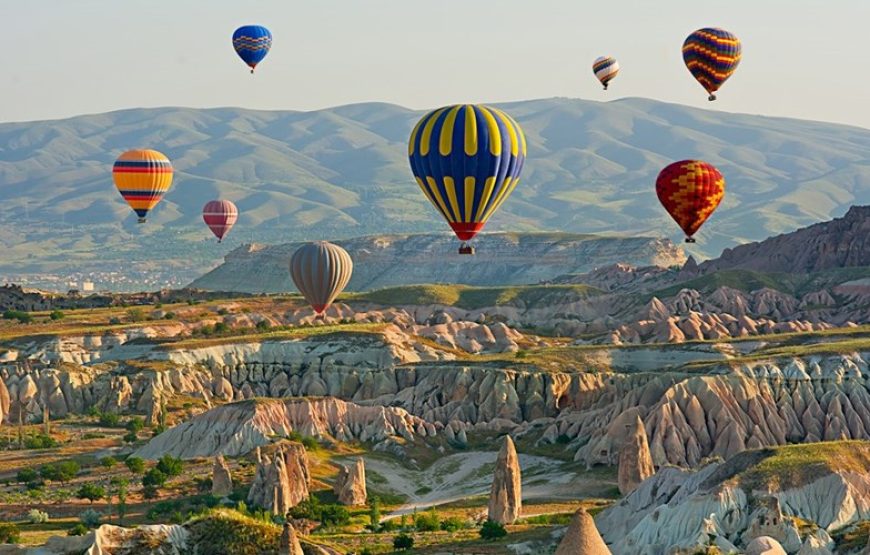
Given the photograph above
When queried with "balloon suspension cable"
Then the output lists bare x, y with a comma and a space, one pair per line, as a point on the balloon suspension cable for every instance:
690, 240
711, 98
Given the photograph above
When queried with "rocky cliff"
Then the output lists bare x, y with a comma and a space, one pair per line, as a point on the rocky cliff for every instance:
795, 495
839, 243
238, 428
501, 259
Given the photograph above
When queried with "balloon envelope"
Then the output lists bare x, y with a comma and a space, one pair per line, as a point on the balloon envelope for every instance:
712, 55
320, 271
142, 177
252, 43
220, 216
605, 69
690, 191
467, 160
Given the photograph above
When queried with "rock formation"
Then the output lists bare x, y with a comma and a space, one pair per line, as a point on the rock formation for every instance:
237, 428
350, 485
289, 541
768, 520
221, 479
158, 539
582, 537
281, 481
635, 461
764, 545
505, 497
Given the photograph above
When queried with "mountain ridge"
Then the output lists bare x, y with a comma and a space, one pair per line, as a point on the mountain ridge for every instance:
342, 172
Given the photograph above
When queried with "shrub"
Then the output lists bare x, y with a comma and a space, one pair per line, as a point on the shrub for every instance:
403, 542
108, 462
154, 477
9, 533
136, 465
22, 317
56, 315
27, 475
131, 437
90, 518
427, 522
39, 441
135, 424
310, 443
35, 516
149, 491
91, 492
136, 315
169, 316
326, 514
223, 311
221, 327
563, 439
114, 320
109, 419
492, 530
171, 466
263, 325
389, 525
452, 524
78, 530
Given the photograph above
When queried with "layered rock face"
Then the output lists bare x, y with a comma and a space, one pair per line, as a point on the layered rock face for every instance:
222, 480
238, 428
582, 537
281, 481
765, 545
635, 461
388, 260
505, 496
682, 511
350, 485
839, 243
157, 539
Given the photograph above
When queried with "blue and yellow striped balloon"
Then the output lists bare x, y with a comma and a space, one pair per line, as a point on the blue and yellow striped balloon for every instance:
712, 55
252, 43
467, 160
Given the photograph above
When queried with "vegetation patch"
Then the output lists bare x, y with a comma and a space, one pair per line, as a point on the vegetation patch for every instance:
223, 531
471, 298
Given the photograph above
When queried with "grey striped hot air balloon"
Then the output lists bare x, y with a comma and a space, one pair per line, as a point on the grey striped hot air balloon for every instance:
320, 271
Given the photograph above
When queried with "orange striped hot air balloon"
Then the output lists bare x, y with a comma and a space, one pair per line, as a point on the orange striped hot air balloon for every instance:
142, 177
690, 191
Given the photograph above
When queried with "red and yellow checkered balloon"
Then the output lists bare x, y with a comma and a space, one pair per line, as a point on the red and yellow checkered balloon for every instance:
690, 191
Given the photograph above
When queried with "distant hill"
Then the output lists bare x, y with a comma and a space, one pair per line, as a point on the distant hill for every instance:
389, 260
342, 172
840, 243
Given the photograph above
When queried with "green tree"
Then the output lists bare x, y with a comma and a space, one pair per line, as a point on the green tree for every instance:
452, 524
149, 491
375, 514
403, 542
171, 466
492, 530
120, 486
135, 424
109, 419
62, 471
108, 462
427, 522
91, 492
154, 477
56, 315
9, 533
136, 465
27, 475
131, 437
136, 315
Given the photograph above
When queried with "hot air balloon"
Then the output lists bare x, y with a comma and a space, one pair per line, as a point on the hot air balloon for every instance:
220, 216
712, 56
142, 177
605, 69
252, 43
690, 191
320, 271
467, 160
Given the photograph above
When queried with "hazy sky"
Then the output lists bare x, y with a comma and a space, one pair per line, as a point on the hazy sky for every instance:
802, 58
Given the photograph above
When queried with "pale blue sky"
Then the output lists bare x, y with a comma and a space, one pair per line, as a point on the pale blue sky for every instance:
802, 58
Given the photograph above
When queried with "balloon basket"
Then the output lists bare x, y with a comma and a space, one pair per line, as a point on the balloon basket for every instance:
690, 240
711, 98
465, 248
140, 221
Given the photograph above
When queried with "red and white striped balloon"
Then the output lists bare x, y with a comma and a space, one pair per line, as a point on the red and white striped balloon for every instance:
219, 216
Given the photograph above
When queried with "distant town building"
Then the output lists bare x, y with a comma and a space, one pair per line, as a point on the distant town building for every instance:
88, 286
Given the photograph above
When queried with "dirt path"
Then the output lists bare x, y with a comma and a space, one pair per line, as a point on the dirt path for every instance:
463, 475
